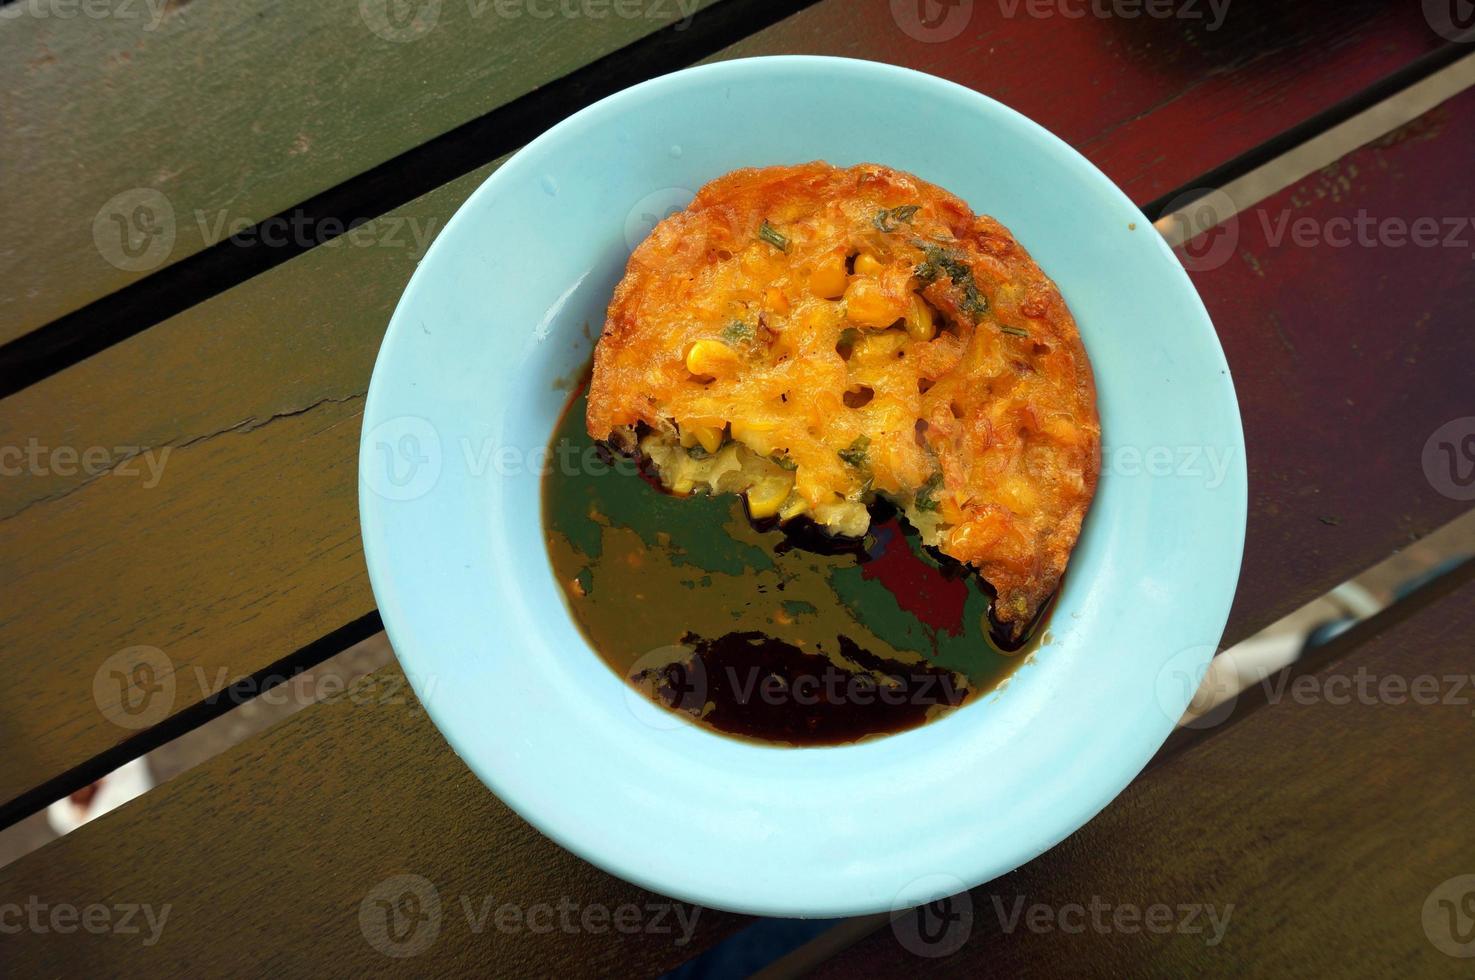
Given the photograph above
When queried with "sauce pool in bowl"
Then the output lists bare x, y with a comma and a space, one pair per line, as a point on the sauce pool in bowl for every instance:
777, 635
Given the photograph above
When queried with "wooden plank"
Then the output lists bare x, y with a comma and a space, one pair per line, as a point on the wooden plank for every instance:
1349, 349
1153, 101
267, 103
1328, 821
261, 874
299, 341
209, 608
300, 832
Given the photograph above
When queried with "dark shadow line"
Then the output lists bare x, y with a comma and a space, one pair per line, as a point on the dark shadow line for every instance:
208, 709
1283, 143
1256, 697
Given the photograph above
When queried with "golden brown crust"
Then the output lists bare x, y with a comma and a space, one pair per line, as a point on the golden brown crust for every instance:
975, 409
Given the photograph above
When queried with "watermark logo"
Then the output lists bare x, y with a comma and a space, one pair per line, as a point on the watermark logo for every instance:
1453, 20
1202, 226
1449, 459
651, 210
932, 21
134, 688
400, 916
134, 231
937, 918
401, 458
404, 915
1449, 917
1191, 692
400, 21
672, 676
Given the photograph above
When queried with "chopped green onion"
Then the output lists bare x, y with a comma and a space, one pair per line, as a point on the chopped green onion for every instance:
845, 344
767, 233
926, 497
1014, 331
737, 332
886, 216
855, 453
939, 261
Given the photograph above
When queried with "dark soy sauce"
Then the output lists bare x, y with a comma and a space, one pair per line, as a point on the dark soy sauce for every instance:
778, 634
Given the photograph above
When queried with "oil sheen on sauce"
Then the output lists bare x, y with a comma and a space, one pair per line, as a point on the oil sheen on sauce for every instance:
777, 635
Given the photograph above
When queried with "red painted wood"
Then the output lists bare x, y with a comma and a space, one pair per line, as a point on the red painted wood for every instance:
1154, 102
1348, 358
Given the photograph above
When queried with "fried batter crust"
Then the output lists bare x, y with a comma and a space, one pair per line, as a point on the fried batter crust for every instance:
865, 330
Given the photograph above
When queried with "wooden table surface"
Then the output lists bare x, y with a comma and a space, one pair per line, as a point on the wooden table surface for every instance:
216, 385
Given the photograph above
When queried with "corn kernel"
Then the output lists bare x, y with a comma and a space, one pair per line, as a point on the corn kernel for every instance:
919, 320
874, 346
867, 264
828, 279
867, 305
706, 436
1018, 495
777, 301
711, 357
767, 496
1064, 431
757, 436
752, 425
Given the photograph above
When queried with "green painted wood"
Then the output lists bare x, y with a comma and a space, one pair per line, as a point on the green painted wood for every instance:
155, 551
135, 139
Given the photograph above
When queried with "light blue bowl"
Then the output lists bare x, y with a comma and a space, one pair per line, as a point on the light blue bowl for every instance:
464, 398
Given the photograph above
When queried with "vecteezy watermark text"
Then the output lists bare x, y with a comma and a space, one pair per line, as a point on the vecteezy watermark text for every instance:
137, 230
301, 230
138, 687
151, 12
63, 918
1205, 228
1211, 12
939, 21
1103, 918
404, 457
38, 459
409, 20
